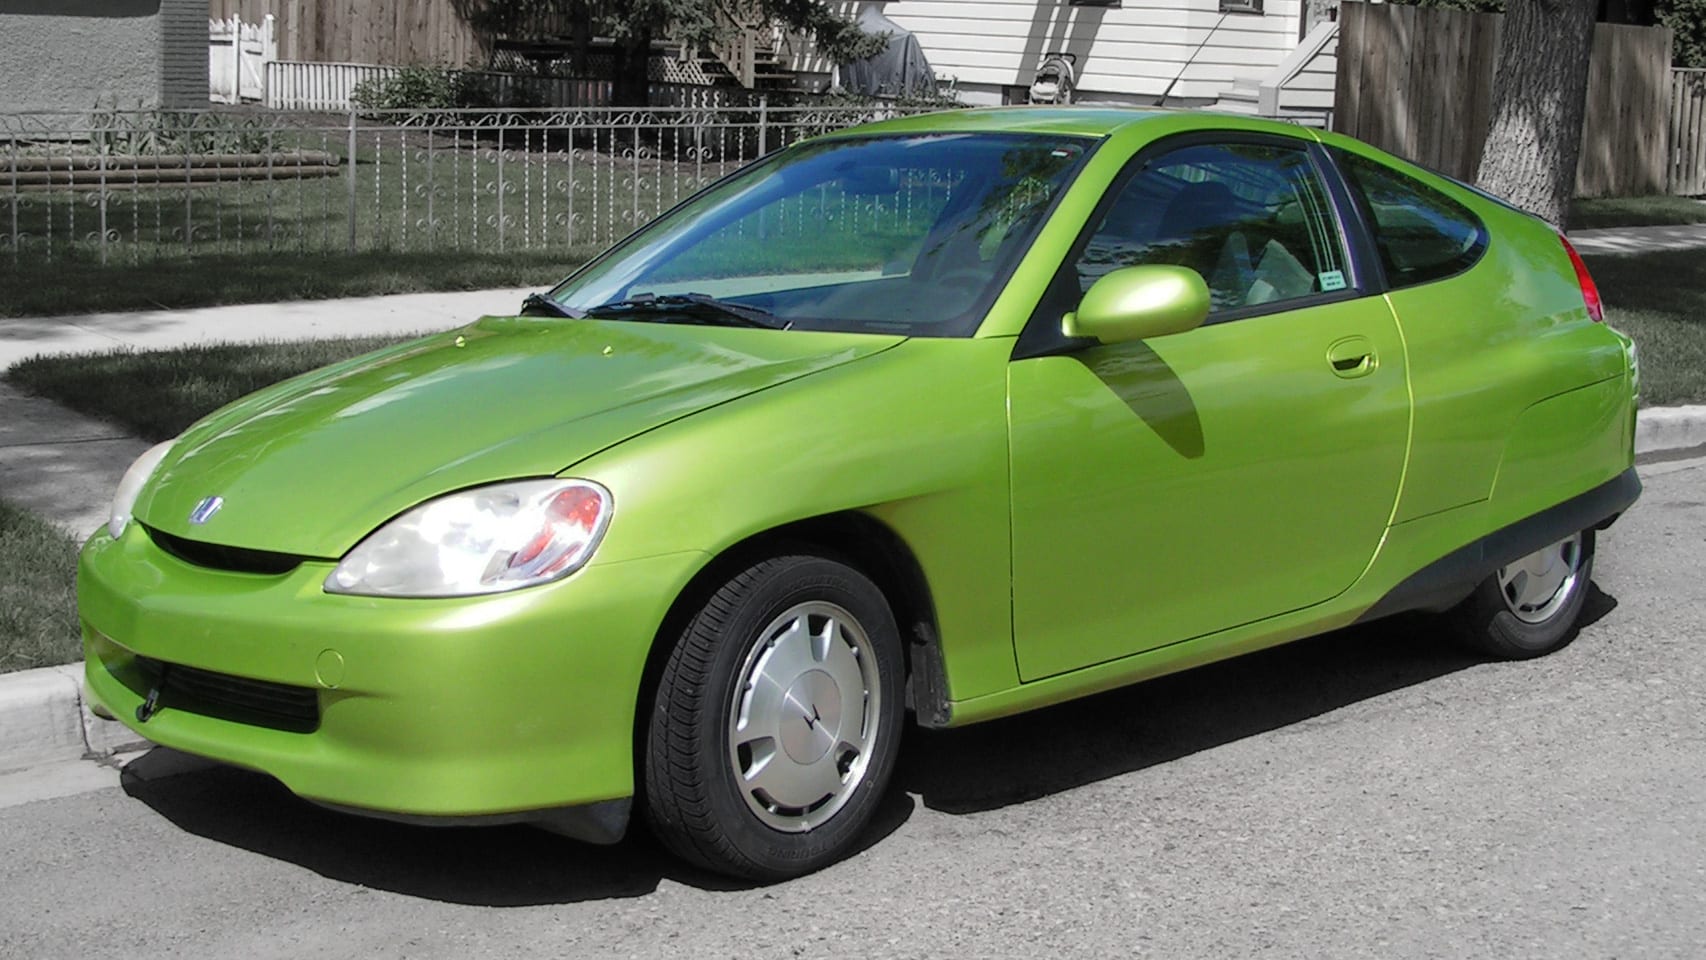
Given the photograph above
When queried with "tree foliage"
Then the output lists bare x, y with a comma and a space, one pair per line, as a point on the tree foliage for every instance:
1687, 20
692, 22
1472, 6
634, 24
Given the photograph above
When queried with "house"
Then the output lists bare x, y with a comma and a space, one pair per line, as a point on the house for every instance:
1183, 52
76, 55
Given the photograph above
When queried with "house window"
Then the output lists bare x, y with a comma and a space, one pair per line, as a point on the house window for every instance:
1241, 6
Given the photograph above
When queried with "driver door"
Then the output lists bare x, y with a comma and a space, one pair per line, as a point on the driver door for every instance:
1167, 489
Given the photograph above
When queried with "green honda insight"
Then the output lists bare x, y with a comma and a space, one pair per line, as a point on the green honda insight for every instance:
931, 421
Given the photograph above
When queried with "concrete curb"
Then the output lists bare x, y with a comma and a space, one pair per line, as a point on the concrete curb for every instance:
44, 719
1661, 430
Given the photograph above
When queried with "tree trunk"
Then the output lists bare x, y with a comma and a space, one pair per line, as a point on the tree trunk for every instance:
630, 86
1539, 95
580, 41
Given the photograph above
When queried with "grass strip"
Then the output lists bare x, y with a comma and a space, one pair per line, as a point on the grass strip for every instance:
155, 394
1659, 299
38, 594
1602, 212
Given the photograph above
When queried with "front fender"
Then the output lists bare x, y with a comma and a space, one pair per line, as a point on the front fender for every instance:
915, 437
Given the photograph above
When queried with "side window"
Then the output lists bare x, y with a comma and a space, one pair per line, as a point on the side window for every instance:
1253, 219
1422, 234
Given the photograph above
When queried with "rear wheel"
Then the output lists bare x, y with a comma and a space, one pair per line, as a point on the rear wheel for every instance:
1529, 607
777, 720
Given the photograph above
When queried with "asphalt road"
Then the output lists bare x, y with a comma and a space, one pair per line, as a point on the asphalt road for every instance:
1369, 793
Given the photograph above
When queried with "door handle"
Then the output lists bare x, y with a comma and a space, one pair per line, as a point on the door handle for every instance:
1352, 357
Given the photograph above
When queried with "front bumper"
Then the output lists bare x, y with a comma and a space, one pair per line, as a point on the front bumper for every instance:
453, 708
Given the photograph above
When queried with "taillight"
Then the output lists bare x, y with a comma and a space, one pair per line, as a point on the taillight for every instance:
1590, 291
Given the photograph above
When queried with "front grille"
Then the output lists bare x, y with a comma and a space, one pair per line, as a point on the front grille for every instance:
241, 700
220, 557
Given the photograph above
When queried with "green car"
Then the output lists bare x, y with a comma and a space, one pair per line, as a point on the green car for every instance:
928, 422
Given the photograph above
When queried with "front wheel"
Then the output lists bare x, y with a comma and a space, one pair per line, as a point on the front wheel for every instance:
1528, 608
777, 720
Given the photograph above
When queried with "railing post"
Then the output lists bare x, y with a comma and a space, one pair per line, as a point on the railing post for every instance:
763, 123
351, 245
103, 224
12, 163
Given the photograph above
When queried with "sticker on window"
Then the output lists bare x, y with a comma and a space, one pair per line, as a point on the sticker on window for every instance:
1333, 280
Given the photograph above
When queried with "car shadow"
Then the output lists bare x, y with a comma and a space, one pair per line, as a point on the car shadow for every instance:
979, 768
508, 866
1050, 751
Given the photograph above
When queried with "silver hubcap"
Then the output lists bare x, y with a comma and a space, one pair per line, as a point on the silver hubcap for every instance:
805, 715
1538, 584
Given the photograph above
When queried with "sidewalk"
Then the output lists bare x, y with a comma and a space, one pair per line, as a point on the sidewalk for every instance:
297, 320
1638, 239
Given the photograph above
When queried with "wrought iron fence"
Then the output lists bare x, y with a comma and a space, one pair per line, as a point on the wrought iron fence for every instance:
129, 186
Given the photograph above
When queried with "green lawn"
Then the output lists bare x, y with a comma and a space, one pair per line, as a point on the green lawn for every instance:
1660, 300
155, 394
38, 601
1593, 214
429, 213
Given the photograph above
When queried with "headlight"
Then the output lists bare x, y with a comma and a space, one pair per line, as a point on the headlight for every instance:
485, 540
124, 498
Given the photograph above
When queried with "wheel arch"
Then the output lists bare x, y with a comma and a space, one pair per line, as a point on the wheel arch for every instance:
850, 536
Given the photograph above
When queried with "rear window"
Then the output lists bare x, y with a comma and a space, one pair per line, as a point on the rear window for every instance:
1422, 234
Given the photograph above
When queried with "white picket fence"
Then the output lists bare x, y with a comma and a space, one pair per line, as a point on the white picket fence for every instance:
237, 58
327, 87
299, 85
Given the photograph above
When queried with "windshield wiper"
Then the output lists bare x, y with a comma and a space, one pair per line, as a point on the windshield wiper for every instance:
698, 304
539, 301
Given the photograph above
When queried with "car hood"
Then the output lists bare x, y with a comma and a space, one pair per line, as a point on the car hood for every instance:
313, 465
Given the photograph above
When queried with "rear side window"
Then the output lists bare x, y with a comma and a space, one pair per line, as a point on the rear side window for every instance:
1422, 234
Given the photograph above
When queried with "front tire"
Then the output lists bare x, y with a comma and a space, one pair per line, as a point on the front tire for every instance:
1529, 607
777, 720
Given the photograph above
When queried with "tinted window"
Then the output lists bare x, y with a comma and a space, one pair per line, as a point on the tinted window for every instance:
1422, 234
1253, 219
911, 234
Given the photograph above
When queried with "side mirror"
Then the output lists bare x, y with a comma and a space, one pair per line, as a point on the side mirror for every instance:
1136, 303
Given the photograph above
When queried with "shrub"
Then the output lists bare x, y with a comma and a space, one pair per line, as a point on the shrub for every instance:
410, 88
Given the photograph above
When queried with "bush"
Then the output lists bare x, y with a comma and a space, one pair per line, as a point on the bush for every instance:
411, 88
441, 88
1688, 19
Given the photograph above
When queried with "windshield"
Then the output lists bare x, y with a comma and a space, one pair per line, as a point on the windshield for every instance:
912, 235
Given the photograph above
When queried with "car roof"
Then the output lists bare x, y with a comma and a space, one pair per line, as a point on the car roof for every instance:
1083, 121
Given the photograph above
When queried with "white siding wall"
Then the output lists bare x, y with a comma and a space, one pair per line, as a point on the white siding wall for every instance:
1312, 88
1135, 51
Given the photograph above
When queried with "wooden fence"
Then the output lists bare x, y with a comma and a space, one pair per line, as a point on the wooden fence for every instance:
397, 32
1688, 132
1418, 82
